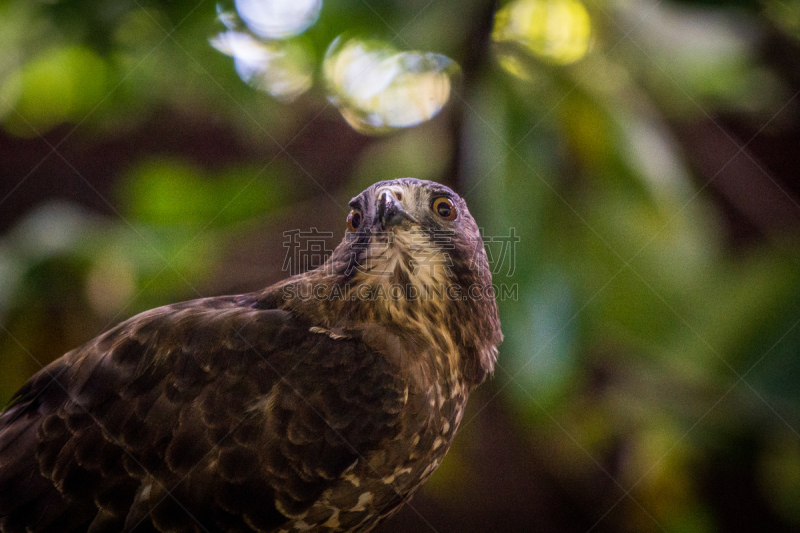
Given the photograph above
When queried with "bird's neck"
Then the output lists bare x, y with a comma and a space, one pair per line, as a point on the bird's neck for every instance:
437, 325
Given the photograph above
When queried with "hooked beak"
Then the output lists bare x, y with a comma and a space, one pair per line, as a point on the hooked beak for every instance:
389, 211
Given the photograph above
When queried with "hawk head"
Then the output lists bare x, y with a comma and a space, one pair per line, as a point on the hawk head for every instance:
413, 260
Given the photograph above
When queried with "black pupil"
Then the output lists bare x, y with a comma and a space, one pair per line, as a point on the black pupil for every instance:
355, 220
443, 209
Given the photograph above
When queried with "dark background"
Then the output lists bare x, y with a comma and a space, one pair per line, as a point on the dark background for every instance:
645, 153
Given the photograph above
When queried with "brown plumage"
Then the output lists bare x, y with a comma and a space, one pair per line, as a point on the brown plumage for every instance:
321, 403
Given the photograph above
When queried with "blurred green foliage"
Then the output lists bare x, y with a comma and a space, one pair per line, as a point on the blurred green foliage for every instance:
645, 347
173, 193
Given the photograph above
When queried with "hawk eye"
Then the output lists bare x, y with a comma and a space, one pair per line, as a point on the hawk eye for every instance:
444, 208
354, 220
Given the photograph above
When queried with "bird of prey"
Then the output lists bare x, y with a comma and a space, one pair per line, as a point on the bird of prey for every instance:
321, 403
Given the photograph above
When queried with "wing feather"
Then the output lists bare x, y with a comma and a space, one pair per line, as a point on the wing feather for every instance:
204, 415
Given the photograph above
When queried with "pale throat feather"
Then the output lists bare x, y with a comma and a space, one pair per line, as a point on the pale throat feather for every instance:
412, 277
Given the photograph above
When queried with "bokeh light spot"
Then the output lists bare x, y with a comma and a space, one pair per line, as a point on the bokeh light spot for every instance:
284, 69
278, 19
378, 89
557, 31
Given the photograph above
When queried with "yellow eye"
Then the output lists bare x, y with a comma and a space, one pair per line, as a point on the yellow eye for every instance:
354, 220
444, 208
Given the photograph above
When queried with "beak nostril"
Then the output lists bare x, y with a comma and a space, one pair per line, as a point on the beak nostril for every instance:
388, 209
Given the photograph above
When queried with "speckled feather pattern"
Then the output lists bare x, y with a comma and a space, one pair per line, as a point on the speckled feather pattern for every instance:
262, 412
